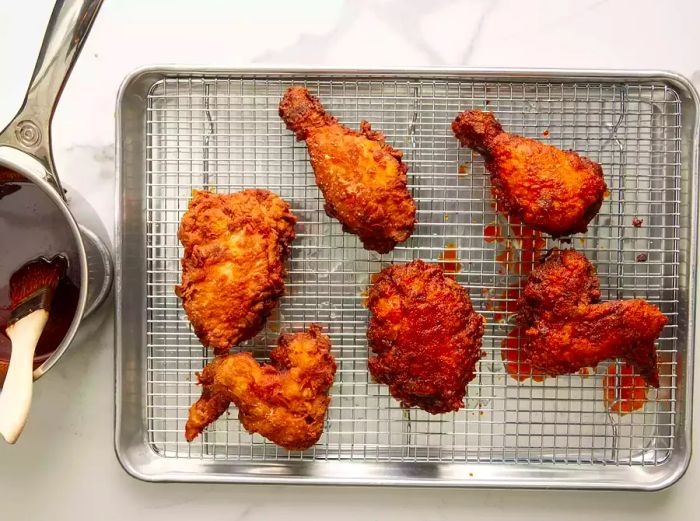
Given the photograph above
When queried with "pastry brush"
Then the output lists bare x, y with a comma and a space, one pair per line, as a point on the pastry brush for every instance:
31, 291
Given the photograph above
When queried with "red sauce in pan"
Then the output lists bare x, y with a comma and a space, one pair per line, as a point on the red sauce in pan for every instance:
31, 226
65, 301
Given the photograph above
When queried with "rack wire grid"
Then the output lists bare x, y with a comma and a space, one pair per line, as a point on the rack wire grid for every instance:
224, 134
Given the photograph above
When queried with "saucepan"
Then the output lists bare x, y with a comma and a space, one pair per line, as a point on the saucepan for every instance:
26, 156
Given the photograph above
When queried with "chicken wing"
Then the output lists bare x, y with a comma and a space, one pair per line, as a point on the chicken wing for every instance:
425, 336
567, 328
554, 191
286, 402
233, 265
361, 177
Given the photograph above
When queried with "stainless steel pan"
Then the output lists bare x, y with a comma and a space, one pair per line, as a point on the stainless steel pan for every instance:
25, 148
181, 128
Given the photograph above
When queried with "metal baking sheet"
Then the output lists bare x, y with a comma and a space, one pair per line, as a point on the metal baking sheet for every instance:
185, 128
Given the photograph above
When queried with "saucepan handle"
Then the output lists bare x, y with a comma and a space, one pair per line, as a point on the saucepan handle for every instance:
30, 130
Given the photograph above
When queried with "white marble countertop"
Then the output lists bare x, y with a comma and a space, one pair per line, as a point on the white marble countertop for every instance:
64, 467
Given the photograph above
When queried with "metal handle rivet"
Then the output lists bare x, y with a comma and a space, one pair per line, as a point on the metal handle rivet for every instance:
28, 133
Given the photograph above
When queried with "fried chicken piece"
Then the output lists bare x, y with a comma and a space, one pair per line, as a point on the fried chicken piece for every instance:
554, 191
233, 265
361, 178
286, 401
425, 336
567, 328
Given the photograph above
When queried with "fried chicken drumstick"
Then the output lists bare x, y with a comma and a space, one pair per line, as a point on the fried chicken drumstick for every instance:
425, 336
361, 177
286, 401
554, 191
567, 328
233, 265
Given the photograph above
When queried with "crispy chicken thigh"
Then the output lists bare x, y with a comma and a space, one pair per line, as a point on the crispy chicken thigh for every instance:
567, 328
361, 178
425, 336
553, 191
286, 402
233, 265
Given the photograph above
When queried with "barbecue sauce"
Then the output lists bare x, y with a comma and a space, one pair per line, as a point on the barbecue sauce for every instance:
449, 260
626, 392
31, 226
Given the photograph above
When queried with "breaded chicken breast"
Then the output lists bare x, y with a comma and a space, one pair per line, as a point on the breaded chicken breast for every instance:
233, 266
425, 336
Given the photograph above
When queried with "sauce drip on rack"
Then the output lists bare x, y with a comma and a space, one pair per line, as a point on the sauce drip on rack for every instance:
624, 392
492, 233
529, 243
517, 369
449, 261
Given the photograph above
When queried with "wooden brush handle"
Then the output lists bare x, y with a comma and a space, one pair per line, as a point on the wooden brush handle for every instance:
16, 396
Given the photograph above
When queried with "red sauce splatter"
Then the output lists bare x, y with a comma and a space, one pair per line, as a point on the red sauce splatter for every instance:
529, 242
624, 392
462, 169
545, 133
637, 222
642, 257
606, 194
518, 370
449, 260
585, 372
492, 233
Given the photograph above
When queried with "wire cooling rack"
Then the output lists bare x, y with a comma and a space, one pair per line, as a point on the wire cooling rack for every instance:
224, 134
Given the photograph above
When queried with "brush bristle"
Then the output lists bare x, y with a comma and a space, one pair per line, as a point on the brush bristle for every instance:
36, 277
10, 176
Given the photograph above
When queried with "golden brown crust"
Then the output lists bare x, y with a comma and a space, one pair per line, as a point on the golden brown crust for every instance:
233, 265
286, 401
425, 336
302, 112
362, 178
554, 191
567, 328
